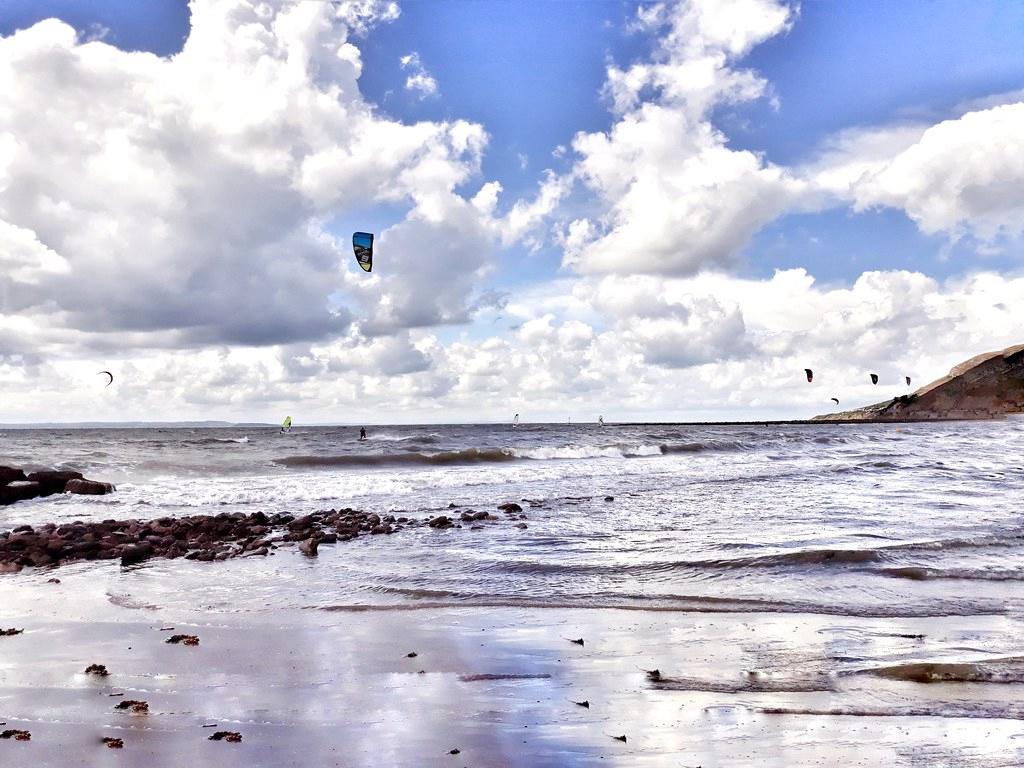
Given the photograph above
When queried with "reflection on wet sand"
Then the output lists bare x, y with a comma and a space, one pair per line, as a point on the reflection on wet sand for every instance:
502, 686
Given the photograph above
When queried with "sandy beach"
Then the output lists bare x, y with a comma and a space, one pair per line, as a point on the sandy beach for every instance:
338, 687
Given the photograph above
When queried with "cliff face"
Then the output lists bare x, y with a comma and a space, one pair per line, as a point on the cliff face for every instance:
985, 387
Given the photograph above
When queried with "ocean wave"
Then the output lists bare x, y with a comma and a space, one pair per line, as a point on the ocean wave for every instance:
921, 573
465, 456
1002, 670
752, 682
483, 455
987, 710
207, 441
683, 604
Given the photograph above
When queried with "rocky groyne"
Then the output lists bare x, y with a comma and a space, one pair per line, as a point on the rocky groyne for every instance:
989, 386
213, 537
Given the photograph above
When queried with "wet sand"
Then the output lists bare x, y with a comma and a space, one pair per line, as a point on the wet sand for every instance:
338, 687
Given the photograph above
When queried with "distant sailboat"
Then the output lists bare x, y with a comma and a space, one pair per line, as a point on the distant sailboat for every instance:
515, 421
286, 425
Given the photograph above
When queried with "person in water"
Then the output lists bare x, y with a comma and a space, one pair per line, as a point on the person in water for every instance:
362, 433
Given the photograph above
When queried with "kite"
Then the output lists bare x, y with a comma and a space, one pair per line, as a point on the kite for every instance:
874, 378
107, 373
908, 380
362, 244
835, 400
810, 375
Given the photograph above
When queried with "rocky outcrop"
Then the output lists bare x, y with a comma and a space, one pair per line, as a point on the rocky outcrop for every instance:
15, 486
199, 537
989, 386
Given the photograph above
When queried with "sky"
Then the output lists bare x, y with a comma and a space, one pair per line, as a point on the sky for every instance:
662, 211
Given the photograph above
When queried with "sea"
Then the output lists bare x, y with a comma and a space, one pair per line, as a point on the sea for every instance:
786, 595
904, 520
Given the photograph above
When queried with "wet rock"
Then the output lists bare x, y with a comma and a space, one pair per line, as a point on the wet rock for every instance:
99, 670
524, 526
511, 508
609, 498
454, 751
10, 632
10, 474
309, 547
411, 655
19, 490
441, 521
183, 639
88, 487
138, 707
53, 481
136, 553
16, 735
112, 743
469, 515
230, 736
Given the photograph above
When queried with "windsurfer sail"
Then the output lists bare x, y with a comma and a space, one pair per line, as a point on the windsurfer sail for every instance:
286, 425
600, 421
515, 421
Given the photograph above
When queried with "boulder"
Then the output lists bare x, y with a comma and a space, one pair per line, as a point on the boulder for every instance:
88, 487
19, 490
511, 507
10, 474
309, 546
136, 553
53, 481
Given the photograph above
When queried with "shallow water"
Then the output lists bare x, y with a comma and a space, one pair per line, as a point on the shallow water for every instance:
870, 520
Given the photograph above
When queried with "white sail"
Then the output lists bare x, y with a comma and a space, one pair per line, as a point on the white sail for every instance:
515, 420
600, 420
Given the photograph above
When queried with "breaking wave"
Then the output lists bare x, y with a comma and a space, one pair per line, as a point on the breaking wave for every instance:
483, 455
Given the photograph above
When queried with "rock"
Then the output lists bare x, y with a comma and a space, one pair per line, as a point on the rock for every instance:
136, 553
112, 743
183, 639
230, 736
97, 669
609, 498
10, 632
309, 546
511, 508
441, 521
524, 526
19, 490
10, 474
52, 481
16, 735
454, 751
138, 707
88, 487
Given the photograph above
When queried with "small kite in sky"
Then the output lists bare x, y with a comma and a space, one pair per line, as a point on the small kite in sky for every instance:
362, 244
110, 377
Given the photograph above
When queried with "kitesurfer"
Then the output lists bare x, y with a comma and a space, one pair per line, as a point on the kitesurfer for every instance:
362, 433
